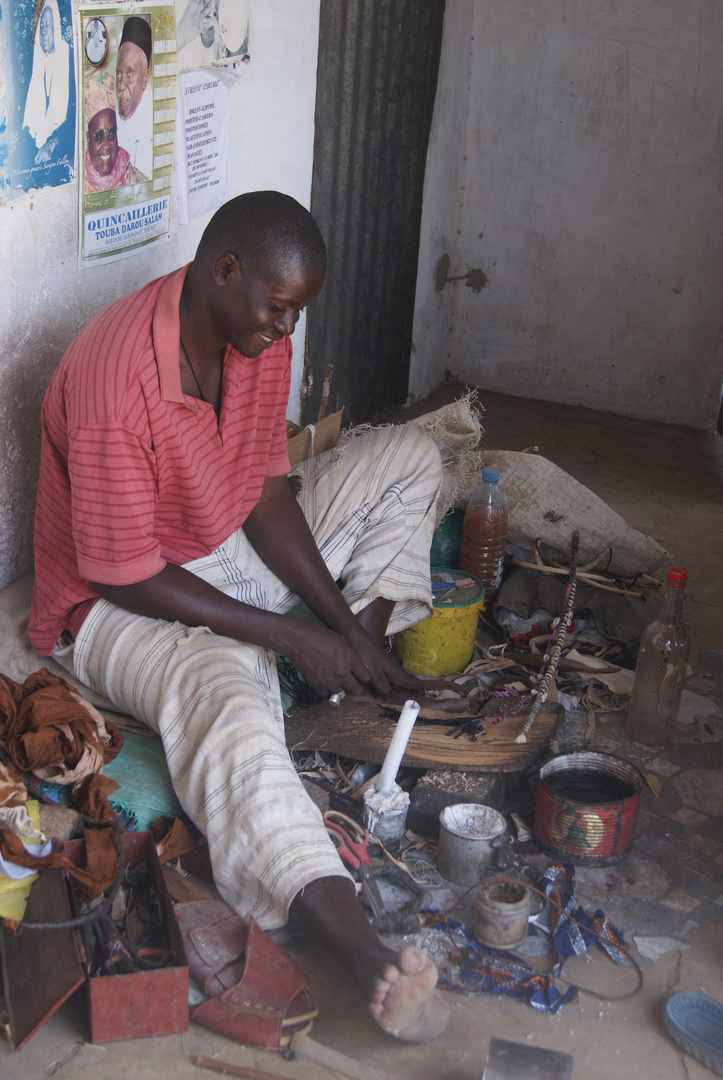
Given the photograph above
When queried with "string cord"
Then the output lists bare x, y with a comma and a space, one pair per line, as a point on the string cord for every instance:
502, 879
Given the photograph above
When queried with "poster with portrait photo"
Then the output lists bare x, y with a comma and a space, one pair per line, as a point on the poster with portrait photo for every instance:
127, 82
211, 33
37, 96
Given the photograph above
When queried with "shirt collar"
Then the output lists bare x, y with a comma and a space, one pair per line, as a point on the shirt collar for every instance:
167, 333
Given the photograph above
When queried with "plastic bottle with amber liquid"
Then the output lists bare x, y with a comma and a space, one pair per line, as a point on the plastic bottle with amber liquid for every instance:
484, 533
661, 669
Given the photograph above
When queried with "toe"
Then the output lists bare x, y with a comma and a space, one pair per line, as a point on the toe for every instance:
412, 961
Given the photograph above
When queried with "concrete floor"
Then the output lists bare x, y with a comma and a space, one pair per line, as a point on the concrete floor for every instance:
668, 482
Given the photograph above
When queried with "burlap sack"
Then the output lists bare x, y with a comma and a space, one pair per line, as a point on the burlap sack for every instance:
546, 502
543, 500
457, 429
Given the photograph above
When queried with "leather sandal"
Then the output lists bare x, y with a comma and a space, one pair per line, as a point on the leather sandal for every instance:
256, 993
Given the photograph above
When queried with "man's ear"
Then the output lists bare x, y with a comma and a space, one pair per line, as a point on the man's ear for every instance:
225, 268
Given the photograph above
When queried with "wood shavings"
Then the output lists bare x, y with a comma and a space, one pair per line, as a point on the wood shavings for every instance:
453, 782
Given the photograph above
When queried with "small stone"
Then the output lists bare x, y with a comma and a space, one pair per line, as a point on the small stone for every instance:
700, 720
665, 768
60, 822
706, 844
686, 816
702, 788
653, 947
677, 900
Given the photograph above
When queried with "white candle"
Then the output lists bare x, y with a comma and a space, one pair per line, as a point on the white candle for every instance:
397, 746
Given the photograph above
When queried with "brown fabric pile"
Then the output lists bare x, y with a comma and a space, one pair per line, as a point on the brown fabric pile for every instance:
48, 729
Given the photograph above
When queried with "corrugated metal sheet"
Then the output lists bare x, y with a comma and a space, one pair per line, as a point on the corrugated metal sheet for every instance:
377, 77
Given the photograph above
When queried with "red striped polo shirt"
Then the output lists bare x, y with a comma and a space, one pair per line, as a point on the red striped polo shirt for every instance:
133, 472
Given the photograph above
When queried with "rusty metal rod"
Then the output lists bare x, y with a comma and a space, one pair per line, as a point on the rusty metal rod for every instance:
228, 1069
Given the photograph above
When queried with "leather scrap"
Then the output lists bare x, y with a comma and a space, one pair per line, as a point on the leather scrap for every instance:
171, 837
98, 874
90, 797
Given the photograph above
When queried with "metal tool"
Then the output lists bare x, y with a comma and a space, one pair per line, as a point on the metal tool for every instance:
510, 1060
350, 840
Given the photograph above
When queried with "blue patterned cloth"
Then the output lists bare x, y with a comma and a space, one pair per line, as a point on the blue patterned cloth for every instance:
493, 971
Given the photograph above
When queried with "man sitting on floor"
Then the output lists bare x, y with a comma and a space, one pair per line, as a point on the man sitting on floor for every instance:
171, 544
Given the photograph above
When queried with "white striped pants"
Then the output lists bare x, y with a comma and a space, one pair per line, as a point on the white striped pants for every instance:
215, 701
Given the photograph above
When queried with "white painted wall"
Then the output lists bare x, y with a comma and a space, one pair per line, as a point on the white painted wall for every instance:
574, 187
575, 162
45, 299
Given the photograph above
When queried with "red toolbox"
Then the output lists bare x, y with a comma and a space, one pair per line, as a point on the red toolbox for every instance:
144, 1003
42, 968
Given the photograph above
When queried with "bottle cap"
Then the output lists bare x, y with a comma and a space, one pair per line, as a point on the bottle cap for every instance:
490, 474
677, 576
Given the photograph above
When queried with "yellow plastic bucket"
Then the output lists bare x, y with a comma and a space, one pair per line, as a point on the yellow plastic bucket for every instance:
443, 643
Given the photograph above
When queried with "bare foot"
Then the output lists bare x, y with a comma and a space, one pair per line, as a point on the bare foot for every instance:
404, 1000
400, 988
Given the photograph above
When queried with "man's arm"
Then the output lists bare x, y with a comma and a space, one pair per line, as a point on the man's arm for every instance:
337, 656
279, 532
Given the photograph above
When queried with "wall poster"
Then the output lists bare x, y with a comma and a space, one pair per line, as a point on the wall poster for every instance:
127, 80
212, 33
37, 96
202, 136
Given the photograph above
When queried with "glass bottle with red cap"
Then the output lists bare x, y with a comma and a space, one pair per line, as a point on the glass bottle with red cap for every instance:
661, 669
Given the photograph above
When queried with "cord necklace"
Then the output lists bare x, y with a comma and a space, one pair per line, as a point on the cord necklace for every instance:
188, 360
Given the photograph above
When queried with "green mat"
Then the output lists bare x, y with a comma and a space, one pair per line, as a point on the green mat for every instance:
145, 791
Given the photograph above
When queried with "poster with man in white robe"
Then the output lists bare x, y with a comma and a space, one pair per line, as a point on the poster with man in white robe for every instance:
39, 96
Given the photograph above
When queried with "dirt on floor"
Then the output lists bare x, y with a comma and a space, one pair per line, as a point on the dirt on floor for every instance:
665, 896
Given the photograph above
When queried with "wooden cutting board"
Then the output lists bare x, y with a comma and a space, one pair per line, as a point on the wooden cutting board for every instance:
362, 731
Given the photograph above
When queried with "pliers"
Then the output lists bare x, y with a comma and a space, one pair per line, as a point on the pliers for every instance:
350, 840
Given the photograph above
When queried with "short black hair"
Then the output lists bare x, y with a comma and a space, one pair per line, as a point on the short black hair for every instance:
266, 231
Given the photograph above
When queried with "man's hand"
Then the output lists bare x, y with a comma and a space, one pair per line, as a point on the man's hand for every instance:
342, 654
329, 663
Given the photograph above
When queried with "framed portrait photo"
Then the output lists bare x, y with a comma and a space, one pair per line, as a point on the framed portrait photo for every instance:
95, 41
